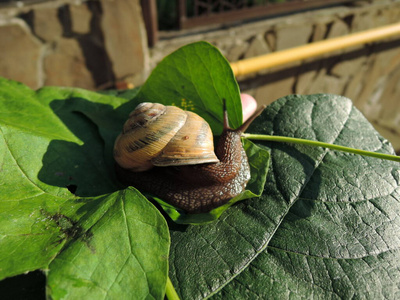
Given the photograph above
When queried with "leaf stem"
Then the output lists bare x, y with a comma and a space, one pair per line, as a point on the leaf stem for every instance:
170, 291
284, 139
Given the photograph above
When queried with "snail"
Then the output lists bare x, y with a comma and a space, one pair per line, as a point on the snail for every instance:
169, 153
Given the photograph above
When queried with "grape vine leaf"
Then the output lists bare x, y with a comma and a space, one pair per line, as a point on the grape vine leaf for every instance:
61, 210
122, 252
196, 77
327, 224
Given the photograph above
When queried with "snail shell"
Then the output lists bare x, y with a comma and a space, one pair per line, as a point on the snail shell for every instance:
158, 135
200, 179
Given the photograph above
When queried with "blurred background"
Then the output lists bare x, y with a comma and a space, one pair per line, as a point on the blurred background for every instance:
114, 44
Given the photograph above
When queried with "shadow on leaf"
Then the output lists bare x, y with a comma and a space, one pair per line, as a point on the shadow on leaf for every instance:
290, 188
86, 169
29, 286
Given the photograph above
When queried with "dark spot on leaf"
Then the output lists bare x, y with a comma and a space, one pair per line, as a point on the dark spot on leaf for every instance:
72, 188
69, 229
67, 226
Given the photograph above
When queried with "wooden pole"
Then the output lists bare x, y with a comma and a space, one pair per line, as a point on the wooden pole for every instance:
255, 64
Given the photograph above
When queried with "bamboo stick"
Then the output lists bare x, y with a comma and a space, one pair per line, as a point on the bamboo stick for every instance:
254, 64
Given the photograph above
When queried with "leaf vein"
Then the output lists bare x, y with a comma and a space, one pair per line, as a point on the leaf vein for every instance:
18, 165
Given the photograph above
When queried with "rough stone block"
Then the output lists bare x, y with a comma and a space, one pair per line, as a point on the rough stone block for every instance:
387, 59
391, 14
319, 32
237, 51
389, 115
125, 39
362, 22
326, 84
308, 73
270, 38
66, 66
373, 82
46, 24
273, 90
257, 47
338, 28
354, 86
20, 52
80, 18
290, 37
348, 67
393, 62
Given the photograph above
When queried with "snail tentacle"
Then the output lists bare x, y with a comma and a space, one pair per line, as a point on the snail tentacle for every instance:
196, 179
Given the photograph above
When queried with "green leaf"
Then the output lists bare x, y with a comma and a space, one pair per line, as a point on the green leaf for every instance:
196, 77
55, 148
258, 161
29, 238
48, 143
122, 252
326, 225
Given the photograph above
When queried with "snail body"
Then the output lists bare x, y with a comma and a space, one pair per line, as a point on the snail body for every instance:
188, 174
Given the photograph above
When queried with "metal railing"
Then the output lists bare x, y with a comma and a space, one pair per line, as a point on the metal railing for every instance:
207, 12
198, 13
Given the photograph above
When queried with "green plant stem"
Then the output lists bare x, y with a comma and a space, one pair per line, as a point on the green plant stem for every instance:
263, 137
170, 291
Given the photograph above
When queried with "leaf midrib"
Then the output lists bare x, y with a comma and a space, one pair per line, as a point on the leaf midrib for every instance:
39, 133
334, 258
290, 205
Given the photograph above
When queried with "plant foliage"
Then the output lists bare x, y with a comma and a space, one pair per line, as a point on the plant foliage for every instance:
325, 226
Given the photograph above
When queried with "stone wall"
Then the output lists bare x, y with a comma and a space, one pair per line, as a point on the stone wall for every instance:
369, 75
88, 44
99, 43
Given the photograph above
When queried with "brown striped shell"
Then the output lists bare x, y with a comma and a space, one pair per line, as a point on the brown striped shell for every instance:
158, 135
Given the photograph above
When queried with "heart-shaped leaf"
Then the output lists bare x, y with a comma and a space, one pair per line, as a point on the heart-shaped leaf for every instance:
326, 225
52, 152
121, 251
196, 77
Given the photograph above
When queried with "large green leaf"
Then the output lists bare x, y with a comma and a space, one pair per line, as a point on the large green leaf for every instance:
340, 237
196, 77
326, 226
57, 144
52, 154
122, 252
48, 143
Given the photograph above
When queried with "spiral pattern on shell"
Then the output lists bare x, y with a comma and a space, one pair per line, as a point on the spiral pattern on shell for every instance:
195, 187
159, 135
